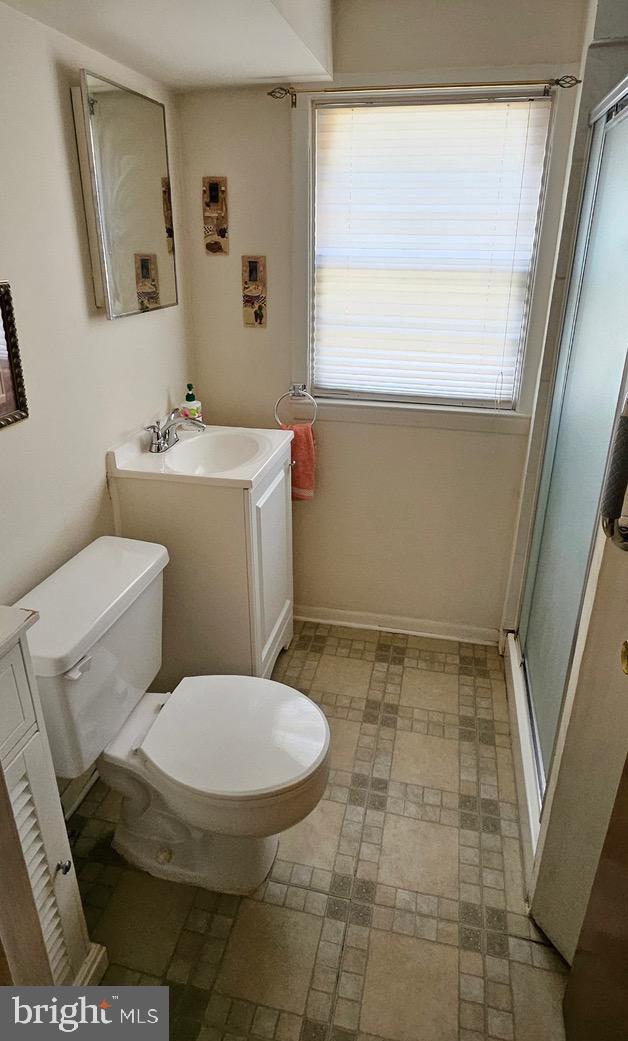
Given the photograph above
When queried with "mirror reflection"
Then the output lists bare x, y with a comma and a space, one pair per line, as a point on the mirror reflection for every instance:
129, 168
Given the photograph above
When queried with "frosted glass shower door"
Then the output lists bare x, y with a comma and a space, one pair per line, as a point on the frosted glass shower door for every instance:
589, 380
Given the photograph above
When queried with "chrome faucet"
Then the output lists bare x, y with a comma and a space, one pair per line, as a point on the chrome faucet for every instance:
164, 435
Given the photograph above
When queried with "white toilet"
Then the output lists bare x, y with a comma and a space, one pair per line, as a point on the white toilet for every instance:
211, 773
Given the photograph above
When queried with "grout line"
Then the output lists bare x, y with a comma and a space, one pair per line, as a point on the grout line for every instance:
487, 936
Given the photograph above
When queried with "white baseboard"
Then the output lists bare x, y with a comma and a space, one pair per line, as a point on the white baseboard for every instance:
76, 791
93, 968
397, 624
529, 796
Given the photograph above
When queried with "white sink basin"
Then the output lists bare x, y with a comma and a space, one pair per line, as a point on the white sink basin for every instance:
218, 455
216, 451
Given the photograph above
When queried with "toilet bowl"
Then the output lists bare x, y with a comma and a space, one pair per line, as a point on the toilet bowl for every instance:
211, 773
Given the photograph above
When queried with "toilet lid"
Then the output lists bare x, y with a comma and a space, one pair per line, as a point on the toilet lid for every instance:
233, 736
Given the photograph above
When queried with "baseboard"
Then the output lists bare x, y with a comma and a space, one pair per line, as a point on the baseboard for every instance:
76, 791
397, 624
529, 797
93, 968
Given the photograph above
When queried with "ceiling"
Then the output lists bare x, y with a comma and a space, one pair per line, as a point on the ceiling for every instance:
189, 44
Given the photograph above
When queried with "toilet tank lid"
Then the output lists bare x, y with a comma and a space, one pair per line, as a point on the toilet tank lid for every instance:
80, 601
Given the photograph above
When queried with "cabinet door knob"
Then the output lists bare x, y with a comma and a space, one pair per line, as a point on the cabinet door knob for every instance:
64, 866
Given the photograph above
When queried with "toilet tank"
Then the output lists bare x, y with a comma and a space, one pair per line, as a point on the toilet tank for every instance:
97, 645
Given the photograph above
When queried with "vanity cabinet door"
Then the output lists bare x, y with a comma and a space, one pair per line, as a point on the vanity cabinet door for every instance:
270, 568
17, 714
32, 792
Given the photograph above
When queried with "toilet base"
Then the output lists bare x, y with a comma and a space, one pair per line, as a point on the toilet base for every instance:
151, 837
222, 863
171, 834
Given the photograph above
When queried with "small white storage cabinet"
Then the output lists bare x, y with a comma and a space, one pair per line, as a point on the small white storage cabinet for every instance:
228, 599
42, 926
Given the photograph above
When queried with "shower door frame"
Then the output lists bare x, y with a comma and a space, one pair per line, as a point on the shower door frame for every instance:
533, 781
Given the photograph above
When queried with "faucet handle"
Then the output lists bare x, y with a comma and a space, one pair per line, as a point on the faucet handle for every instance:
154, 429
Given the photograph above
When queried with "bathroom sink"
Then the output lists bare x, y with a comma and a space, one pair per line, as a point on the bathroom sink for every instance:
216, 451
238, 456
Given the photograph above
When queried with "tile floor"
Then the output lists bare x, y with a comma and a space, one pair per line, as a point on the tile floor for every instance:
395, 911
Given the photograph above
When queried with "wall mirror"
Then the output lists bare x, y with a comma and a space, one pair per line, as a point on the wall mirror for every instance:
123, 154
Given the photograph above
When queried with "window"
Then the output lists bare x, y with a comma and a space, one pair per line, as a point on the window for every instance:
424, 229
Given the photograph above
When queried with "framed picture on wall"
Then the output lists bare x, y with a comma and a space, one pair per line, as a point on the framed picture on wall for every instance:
254, 291
215, 215
13, 406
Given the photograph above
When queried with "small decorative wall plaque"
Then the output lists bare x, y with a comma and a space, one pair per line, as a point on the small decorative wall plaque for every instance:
147, 281
13, 406
254, 302
166, 199
215, 215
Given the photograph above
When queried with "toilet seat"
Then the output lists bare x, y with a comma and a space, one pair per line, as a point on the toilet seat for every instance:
236, 738
212, 774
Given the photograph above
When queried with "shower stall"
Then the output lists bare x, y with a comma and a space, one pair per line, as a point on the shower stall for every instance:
579, 462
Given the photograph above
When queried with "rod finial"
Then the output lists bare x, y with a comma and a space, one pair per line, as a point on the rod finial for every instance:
280, 92
565, 81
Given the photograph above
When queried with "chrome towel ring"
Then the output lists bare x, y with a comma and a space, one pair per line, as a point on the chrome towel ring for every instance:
297, 391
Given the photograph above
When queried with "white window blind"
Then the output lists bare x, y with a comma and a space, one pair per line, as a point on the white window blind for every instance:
424, 233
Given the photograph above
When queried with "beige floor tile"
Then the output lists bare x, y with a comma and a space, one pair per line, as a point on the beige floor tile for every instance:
437, 691
513, 876
342, 676
109, 808
143, 920
422, 759
537, 997
314, 841
411, 989
506, 775
420, 856
344, 741
500, 701
270, 956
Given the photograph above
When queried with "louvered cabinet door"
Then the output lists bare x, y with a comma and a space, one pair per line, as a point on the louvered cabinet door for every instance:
33, 794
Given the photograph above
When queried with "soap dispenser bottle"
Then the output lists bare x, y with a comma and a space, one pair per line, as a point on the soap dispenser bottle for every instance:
191, 408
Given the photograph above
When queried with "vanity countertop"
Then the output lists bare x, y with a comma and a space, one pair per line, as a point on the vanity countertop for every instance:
13, 622
233, 456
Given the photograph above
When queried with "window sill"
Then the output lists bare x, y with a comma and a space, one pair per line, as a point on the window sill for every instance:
444, 417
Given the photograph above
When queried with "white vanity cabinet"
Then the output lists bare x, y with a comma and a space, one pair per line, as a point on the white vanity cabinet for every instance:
42, 927
228, 598
268, 513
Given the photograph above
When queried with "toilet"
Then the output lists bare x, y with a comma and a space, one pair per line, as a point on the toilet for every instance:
210, 774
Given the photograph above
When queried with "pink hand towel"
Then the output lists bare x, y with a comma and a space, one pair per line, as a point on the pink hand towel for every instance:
303, 460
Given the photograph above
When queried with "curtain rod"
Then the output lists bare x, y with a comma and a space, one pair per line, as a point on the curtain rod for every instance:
284, 92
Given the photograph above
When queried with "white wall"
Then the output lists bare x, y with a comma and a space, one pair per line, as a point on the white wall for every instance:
311, 20
410, 526
246, 136
88, 381
399, 35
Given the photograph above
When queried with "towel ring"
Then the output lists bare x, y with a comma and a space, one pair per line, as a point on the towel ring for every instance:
297, 390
